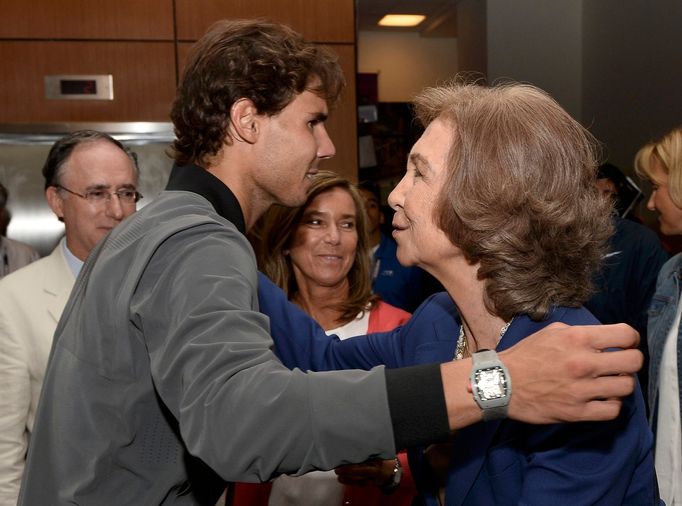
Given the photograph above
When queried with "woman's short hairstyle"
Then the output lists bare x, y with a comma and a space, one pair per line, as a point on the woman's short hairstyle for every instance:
268, 63
276, 231
668, 151
520, 197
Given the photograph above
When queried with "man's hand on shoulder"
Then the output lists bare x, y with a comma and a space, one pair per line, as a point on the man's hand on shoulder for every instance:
560, 374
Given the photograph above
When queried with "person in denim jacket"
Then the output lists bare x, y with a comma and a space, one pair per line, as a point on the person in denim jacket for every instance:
661, 163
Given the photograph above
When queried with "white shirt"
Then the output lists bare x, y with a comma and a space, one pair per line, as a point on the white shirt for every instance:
668, 454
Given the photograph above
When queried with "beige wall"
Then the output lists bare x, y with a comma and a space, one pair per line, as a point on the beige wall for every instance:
400, 61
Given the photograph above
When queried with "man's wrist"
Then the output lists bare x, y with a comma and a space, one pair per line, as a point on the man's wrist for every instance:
394, 482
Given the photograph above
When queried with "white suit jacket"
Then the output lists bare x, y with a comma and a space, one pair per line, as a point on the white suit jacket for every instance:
31, 301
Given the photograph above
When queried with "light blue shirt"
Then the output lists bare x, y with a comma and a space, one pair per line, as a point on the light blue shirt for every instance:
75, 264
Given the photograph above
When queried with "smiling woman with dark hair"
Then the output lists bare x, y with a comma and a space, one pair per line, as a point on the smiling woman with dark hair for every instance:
499, 204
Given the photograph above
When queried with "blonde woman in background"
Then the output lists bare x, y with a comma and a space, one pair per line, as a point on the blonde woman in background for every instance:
661, 163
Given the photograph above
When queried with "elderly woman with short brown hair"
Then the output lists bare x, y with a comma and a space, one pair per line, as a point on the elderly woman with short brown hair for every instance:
499, 204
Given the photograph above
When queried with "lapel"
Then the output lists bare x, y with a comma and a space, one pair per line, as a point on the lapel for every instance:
467, 458
443, 324
470, 447
58, 281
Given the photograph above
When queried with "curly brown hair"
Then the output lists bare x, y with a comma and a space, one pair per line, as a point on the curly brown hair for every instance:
268, 63
520, 198
276, 229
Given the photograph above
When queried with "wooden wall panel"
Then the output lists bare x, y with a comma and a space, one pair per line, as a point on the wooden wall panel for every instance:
342, 123
143, 73
329, 21
85, 19
44, 37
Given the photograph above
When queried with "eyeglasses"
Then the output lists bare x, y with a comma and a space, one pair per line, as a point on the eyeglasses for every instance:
125, 195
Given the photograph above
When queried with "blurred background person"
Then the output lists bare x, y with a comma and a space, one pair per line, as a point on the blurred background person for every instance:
90, 185
613, 183
13, 254
400, 286
626, 280
319, 255
661, 163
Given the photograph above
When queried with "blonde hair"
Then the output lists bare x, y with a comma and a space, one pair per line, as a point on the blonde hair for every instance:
668, 151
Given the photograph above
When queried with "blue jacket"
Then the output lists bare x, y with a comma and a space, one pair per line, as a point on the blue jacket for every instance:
627, 282
661, 319
496, 463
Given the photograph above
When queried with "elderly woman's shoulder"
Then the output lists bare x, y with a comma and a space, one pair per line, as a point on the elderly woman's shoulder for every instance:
437, 304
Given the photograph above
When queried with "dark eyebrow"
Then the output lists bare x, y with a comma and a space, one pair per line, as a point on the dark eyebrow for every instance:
320, 117
313, 213
98, 187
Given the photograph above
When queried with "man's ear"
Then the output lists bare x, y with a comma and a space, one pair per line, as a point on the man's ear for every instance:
245, 121
55, 201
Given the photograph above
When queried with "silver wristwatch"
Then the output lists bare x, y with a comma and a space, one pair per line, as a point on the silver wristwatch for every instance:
490, 384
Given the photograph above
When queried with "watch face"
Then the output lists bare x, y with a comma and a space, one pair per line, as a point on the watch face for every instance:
491, 383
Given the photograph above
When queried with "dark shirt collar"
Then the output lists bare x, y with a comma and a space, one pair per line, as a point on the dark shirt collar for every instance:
194, 179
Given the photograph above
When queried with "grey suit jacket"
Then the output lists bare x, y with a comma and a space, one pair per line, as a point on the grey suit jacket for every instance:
31, 302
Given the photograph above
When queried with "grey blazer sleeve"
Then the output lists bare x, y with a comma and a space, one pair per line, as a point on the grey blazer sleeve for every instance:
238, 408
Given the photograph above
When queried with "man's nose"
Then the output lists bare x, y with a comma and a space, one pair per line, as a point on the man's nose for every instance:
325, 146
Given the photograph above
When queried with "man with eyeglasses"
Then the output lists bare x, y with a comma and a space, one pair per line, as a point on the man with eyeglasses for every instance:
90, 185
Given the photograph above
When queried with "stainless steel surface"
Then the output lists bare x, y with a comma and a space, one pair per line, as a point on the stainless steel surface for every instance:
79, 87
132, 132
23, 149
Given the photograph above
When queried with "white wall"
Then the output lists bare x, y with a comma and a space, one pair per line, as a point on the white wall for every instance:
540, 42
405, 62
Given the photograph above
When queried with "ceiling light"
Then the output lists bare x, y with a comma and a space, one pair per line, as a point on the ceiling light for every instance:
401, 19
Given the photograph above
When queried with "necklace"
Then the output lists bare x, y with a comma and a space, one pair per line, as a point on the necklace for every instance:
462, 348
